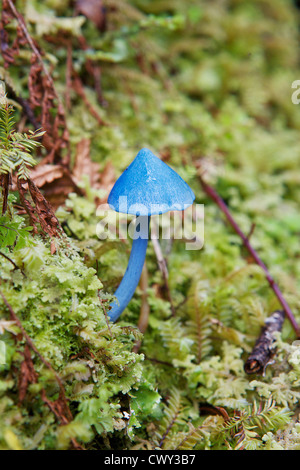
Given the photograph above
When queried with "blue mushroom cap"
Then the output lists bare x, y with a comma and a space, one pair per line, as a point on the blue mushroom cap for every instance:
149, 186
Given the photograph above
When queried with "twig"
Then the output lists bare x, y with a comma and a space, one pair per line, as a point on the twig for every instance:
163, 268
79, 88
160, 258
5, 182
12, 262
264, 350
207, 408
221, 204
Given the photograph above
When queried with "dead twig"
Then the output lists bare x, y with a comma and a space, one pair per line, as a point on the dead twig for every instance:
208, 409
264, 350
163, 267
5, 180
12, 262
79, 89
221, 204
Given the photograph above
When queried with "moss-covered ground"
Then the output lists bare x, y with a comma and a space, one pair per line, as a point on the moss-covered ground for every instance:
207, 86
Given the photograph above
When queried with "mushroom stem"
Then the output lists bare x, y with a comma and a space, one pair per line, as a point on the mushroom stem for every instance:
133, 272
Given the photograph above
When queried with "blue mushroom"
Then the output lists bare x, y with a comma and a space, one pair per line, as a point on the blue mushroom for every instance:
147, 187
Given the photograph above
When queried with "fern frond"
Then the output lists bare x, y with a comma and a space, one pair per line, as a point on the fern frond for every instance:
256, 421
194, 437
171, 416
199, 325
270, 417
202, 436
6, 123
176, 341
15, 147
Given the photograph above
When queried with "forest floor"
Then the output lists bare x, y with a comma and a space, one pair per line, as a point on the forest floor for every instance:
207, 354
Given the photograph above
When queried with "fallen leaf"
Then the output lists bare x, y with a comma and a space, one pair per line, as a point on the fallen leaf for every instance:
56, 182
84, 165
94, 10
47, 173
